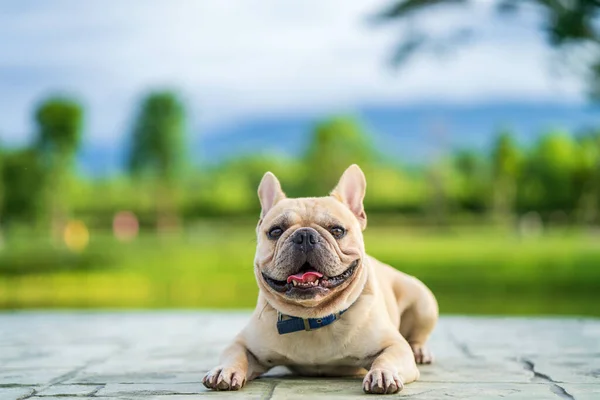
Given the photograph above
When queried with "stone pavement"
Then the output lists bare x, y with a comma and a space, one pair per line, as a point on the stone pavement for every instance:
163, 356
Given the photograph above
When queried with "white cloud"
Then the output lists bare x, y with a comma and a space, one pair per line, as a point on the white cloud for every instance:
237, 58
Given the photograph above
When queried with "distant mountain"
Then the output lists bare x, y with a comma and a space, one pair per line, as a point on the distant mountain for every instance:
410, 133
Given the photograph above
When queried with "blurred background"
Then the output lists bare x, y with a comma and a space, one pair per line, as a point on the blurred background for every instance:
133, 136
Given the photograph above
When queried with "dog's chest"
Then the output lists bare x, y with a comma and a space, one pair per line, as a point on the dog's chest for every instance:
310, 355
329, 346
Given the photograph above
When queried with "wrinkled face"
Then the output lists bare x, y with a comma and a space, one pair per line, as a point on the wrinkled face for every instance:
310, 252
308, 248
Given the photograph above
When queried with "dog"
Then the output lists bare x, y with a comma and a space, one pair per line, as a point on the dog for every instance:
326, 308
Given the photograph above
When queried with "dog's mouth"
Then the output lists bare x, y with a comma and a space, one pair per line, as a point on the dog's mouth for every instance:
309, 279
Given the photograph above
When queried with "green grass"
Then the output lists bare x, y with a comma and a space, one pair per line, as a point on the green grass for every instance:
472, 271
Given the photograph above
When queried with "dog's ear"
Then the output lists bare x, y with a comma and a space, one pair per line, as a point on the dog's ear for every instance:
350, 190
269, 193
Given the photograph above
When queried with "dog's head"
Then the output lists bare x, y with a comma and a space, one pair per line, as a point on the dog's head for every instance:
310, 252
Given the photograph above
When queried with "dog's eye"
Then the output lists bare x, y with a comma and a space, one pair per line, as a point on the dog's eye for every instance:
337, 231
275, 232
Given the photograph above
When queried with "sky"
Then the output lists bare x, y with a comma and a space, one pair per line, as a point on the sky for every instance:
238, 59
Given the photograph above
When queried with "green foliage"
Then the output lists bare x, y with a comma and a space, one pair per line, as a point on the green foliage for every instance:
506, 157
59, 129
230, 189
506, 169
1, 183
49, 260
392, 190
335, 144
23, 177
586, 177
473, 181
549, 173
59, 123
157, 141
566, 21
568, 25
558, 173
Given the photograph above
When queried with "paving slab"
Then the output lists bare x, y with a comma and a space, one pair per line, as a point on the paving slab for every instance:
9, 393
164, 355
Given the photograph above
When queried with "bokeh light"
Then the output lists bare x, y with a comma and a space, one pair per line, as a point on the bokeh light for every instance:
76, 236
125, 226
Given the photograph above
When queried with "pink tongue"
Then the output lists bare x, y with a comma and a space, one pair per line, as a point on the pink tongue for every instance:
310, 276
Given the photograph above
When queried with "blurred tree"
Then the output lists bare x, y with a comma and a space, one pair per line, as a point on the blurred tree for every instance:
1, 188
336, 143
549, 174
157, 148
395, 189
59, 123
473, 174
23, 176
506, 164
586, 178
569, 25
157, 142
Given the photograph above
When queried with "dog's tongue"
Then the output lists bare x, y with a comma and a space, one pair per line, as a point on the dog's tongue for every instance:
309, 276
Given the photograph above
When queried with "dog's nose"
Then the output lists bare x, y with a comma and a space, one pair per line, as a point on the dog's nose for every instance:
305, 238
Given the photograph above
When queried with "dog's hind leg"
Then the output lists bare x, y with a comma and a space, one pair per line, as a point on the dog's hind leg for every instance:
417, 323
411, 306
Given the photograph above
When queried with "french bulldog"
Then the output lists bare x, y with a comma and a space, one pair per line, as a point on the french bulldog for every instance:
326, 308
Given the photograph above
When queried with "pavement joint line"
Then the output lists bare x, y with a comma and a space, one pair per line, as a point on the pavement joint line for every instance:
555, 388
98, 388
15, 385
71, 374
462, 347
27, 396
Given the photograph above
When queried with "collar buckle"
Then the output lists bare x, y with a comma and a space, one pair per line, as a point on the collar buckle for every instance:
306, 324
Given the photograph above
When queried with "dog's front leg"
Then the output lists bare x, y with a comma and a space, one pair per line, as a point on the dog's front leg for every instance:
237, 366
392, 368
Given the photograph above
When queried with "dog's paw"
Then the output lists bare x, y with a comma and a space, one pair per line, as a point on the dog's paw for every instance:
221, 378
382, 381
422, 354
